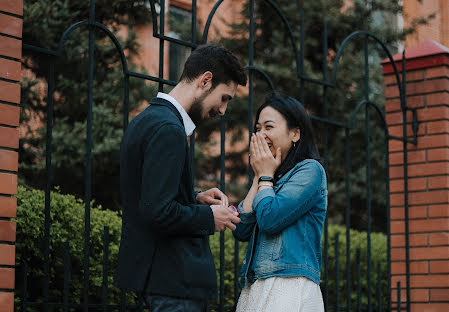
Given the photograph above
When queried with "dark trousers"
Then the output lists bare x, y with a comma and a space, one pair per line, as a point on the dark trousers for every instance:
170, 304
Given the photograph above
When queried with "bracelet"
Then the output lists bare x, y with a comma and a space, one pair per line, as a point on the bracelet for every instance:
266, 184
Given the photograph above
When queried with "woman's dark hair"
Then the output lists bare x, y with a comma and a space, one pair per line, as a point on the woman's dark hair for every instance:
296, 117
223, 65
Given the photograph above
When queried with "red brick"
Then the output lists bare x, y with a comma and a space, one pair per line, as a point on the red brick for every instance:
412, 157
398, 278
433, 113
429, 197
437, 127
439, 239
10, 92
9, 115
439, 98
429, 141
434, 72
429, 253
395, 146
8, 160
429, 225
414, 184
12, 6
7, 255
415, 75
415, 240
8, 207
397, 254
439, 294
438, 154
397, 131
414, 212
391, 92
7, 231
6, 278
439, 266
394, 295
416, 101
9, 137
395, 118
390, 80
436, 211
396, 199
429, 307
428, 169
397, 227
427, 86
10, 69
438, 182
396, 172
6, 301
11, 25
392, 105
421, 281
419, 295
10, 47
8, 183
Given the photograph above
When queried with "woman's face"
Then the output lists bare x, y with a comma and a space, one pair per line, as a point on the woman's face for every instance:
273, 126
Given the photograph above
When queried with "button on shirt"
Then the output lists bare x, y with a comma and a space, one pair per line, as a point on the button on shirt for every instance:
189, 126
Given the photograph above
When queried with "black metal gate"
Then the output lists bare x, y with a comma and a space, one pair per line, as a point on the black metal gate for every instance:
350, 299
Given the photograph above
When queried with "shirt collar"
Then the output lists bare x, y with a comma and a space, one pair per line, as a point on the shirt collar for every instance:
189, 126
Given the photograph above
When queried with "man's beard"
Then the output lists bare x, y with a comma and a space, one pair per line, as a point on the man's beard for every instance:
196, 112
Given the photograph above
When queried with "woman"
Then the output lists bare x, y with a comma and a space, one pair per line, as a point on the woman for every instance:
283, 214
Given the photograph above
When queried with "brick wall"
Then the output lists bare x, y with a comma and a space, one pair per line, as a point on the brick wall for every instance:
428, 178
10, 54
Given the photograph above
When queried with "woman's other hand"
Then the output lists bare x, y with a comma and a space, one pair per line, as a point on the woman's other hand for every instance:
262, 160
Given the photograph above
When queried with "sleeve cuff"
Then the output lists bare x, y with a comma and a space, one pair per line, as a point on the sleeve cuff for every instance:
246, 217
269, 192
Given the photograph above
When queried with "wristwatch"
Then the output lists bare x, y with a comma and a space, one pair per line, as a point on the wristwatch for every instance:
266, 179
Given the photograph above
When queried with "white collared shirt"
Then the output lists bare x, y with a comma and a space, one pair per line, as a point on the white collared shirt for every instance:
189, 126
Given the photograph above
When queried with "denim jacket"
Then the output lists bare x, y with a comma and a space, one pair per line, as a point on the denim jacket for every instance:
286, 225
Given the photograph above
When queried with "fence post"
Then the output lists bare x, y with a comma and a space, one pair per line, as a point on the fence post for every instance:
427, 90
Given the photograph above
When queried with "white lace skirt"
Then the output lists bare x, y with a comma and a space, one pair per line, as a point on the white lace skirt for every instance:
281, 294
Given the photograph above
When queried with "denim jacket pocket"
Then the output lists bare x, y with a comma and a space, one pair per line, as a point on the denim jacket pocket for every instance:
273, 246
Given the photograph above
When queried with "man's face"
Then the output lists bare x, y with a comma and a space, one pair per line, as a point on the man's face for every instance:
212, 103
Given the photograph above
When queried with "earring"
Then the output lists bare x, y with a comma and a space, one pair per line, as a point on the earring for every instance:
294, 144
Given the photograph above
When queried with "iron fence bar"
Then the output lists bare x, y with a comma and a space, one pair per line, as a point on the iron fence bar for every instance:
48, 183
126, 103
317, 81
368, 174
105, 283
151, 78
174, 40
359, 284
379, 289
161, 44
122, 300
66, 276
39, 50
405, 161
250, 80
209, 20
302, 84
348, 217
223, 189
23, 301
88, 186
337, 273
387, 199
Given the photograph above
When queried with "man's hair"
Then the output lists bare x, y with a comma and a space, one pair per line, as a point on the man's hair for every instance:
223, 65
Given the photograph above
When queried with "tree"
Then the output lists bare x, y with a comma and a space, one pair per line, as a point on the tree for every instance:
44, 24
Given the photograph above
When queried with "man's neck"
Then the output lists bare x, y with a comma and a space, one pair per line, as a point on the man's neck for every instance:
183, 93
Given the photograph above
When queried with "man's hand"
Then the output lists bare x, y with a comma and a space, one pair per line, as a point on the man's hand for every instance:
224, 217
212, 197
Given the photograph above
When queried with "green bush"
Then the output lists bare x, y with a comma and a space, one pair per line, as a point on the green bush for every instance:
67, 225
67, 216
358, 240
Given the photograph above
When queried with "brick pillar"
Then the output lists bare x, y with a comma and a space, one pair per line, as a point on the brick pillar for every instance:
10, 54
428, 177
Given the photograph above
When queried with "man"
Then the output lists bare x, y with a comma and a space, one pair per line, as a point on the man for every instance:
164, 251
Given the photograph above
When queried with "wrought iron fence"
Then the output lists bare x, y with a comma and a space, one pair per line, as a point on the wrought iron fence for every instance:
336, 303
